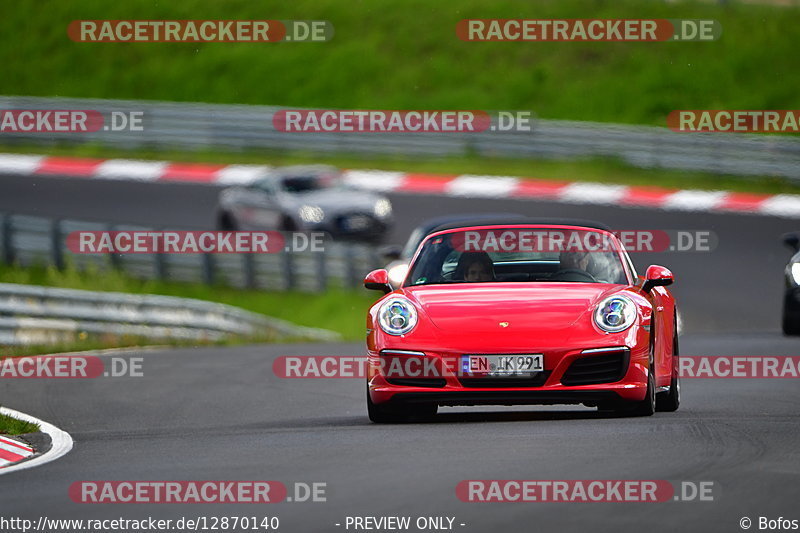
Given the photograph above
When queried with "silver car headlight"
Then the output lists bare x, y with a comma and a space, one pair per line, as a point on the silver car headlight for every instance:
397, 316
795, 270
383, 208
311, 214
615, 314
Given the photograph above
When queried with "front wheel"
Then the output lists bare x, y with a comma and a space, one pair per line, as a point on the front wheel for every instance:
670, 401
647, 407
790, 326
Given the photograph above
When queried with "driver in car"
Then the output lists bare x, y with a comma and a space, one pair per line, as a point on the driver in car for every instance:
575, 261
574, 266
474, 267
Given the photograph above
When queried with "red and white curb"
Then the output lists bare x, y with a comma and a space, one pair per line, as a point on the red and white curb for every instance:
467, 186
12, 451
61, 444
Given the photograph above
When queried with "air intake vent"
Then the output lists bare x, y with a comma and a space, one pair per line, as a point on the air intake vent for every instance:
595, 369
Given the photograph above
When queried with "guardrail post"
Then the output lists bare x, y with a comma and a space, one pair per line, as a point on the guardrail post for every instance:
56, 244
322, 271
249, 270
289, 280
160, 265
208, 269
351, 278
114, 258
8, 239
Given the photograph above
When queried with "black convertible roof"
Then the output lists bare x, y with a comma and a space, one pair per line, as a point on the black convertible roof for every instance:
515, 221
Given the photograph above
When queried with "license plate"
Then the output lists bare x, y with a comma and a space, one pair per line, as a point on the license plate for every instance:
357, 223
502, 365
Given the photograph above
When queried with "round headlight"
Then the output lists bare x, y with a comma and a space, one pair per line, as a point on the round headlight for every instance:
796, 273
383, 208
615, 314
397, 316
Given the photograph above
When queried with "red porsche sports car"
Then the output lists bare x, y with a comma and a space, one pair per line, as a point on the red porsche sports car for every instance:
522, 313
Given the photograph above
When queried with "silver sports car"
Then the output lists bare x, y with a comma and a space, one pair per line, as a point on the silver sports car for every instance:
305, 198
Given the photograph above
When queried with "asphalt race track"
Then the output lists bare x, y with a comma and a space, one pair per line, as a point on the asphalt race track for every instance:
220, 413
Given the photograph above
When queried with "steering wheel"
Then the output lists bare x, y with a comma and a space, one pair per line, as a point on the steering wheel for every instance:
569, 272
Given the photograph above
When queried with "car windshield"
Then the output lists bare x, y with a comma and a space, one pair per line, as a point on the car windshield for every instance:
518, 255
413, 243
309, 183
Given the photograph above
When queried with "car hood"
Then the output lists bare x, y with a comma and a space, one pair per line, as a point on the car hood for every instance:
336, 200
532, 308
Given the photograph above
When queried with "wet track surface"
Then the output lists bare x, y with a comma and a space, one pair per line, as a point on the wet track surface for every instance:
220, 413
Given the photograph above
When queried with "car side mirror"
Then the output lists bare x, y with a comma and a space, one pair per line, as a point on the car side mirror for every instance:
390, 252
657, 276
378, 280
792, 241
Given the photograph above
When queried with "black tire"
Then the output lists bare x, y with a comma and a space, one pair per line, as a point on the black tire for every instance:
391, 414
670, 401
381, 414
287, 224
647, 407
790, 327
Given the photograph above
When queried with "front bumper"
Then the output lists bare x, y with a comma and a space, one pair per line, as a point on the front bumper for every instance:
507, 397
358, 226
570, 376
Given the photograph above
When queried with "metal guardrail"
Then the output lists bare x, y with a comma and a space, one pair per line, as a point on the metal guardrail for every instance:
44, 315
33, 315
237, 127
29, 240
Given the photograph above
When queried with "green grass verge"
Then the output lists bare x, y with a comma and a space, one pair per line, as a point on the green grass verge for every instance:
339, 310
406, 55
601, 170
12, 426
